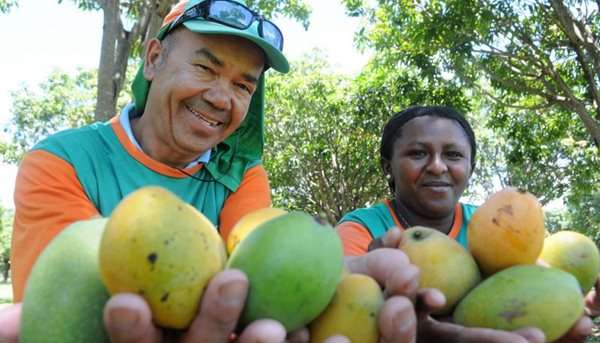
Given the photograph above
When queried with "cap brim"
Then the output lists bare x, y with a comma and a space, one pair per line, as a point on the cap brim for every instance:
275, 58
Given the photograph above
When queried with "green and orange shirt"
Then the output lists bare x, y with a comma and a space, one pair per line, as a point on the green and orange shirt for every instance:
358, 228
80, 173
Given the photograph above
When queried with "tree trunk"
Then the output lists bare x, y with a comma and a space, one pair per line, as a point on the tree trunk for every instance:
116, 48
111, 30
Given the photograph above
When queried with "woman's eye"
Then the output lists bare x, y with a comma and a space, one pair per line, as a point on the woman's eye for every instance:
454, 155
417, 153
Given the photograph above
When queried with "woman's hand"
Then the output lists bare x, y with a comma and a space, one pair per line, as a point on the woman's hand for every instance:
434, 330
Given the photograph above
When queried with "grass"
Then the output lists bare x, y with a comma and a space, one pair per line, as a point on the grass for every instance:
5, 294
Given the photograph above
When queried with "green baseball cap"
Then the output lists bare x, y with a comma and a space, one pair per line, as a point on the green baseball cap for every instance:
275, 58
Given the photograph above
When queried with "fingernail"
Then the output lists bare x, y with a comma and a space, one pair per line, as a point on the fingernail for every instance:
403, 319
123, 319
233, 293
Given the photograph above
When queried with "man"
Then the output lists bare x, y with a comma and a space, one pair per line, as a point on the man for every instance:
196, 129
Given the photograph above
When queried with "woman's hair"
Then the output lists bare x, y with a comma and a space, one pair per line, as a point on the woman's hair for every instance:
392, 129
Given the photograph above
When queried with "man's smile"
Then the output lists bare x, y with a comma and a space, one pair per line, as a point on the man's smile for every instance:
197, 114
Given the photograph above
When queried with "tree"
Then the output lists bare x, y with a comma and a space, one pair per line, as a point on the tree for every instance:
537, 63
5, 241
126, 27
323, 133
6, 5
63, 101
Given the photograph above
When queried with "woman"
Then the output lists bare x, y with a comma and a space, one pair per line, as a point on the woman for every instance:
427, 155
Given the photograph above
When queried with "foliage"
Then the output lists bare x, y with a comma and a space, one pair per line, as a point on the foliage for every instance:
63, 101
537, 65
323, 133
5, 241
6, 5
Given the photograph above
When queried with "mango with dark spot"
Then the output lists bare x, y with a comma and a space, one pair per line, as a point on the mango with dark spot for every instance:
64, 297
521, 296
294, 264
353, 311
506, 230
443, 263
163, 249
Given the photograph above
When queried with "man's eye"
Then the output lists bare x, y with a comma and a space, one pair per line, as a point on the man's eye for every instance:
205, 68
244, 88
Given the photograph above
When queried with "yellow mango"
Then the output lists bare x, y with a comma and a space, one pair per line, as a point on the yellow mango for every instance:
443, 263
248, 223
575, 253
506, 230
521, 296
353, 311
165, 250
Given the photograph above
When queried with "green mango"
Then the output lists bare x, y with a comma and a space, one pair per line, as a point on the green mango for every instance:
525, 295
64, 296
294, 264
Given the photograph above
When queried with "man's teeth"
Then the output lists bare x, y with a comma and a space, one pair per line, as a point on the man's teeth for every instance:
200, 116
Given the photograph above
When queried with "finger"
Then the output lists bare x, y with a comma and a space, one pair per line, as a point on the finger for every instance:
403, 281
222, 303
391, 239
10, 320
428, 301
397, 321
579, 332
299, 336
532, 335
435, 331
592, 300
128, 319
263, 331
378, 264
376, 243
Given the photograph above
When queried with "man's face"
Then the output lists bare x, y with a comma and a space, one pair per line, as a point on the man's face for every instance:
200, 93
431, 165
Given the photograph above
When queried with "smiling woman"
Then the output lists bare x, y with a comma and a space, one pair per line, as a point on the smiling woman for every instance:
427, 155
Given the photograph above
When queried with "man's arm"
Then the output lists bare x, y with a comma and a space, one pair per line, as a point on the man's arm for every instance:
48, 197
254, 193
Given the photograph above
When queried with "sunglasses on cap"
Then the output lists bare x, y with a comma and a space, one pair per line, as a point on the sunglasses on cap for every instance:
233, 14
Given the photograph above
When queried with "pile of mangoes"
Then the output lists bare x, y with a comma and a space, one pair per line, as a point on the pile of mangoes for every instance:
506, 246
157, 246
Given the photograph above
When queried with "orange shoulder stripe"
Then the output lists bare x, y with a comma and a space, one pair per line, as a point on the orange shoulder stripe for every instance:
48, 197
355, 238
254, 193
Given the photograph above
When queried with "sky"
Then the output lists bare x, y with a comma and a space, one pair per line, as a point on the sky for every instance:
41, 36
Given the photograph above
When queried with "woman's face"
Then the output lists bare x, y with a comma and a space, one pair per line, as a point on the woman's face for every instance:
430, 165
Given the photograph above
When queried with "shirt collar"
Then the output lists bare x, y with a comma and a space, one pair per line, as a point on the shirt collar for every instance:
125, 122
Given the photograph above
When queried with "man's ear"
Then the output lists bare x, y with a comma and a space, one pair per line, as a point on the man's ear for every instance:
152, 58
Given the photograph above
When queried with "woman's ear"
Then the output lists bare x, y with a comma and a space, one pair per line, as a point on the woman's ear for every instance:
386, 167
152, 58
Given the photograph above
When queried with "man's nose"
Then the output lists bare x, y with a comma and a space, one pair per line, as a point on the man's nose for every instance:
219, 96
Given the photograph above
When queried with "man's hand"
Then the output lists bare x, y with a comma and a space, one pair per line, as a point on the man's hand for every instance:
9, 324
128, 317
